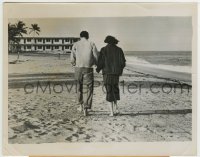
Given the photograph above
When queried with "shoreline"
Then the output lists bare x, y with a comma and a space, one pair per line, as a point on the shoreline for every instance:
137, 65
180, 77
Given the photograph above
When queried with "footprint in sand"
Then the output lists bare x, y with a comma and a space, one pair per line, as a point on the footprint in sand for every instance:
119, 139
86, 137
75, 135
81, 132
71, 139
125, 138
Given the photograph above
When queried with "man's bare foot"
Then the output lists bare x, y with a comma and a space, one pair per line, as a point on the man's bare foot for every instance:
80, 108
89, 109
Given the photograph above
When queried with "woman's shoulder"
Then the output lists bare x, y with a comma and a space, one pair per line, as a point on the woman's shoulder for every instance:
118, 47
103, 48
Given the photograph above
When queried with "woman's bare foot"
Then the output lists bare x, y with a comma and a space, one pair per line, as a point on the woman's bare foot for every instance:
117, 111
111, 114
111, 109
116, 108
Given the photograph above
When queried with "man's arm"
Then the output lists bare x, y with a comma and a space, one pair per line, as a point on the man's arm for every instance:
95, 53
73, 55
100, 62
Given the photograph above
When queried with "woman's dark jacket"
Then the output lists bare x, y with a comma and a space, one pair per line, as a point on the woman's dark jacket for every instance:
111, 60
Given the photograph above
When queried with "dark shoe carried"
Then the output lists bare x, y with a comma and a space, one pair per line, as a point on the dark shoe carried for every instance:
85, 113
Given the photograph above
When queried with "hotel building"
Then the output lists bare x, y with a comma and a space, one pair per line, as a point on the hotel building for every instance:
44, 44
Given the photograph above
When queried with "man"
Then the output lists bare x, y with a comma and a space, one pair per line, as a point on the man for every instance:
83, 56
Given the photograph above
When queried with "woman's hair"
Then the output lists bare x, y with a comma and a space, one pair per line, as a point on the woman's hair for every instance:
84, 34
111, 40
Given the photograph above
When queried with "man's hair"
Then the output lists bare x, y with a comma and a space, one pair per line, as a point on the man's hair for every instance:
84, 34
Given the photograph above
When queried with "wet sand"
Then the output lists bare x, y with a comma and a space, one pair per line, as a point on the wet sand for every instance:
176, 76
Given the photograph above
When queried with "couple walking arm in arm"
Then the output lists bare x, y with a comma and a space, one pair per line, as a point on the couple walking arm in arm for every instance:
110, 60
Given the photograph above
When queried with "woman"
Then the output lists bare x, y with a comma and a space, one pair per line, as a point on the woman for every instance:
112, 62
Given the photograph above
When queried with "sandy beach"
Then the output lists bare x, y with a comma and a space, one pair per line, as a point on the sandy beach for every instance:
152, 107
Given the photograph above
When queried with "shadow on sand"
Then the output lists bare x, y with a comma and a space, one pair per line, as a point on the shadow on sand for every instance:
147, 112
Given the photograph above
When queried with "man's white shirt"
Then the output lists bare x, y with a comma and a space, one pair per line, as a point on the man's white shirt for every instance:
84, 53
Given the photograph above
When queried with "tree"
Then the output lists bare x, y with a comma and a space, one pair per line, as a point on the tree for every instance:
14, 32
21, 28
35, 29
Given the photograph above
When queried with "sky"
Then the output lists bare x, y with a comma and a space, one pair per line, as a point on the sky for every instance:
134, 33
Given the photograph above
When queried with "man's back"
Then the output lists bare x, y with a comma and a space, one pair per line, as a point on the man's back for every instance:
84, 53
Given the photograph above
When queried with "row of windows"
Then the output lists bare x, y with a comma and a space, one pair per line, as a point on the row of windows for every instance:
47, 40
47, 47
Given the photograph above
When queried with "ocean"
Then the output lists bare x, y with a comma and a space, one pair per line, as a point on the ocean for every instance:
180, 61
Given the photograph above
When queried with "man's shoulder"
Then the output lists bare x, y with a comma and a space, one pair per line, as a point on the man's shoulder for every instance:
86, 41
75, 43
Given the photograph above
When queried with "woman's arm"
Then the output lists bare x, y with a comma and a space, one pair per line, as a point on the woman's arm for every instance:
123, 61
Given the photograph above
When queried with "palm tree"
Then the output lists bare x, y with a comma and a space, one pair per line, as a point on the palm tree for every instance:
35, 29
21, 28
14, 32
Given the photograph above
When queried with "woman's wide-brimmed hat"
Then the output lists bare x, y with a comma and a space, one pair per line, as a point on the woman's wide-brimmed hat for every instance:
111, 40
